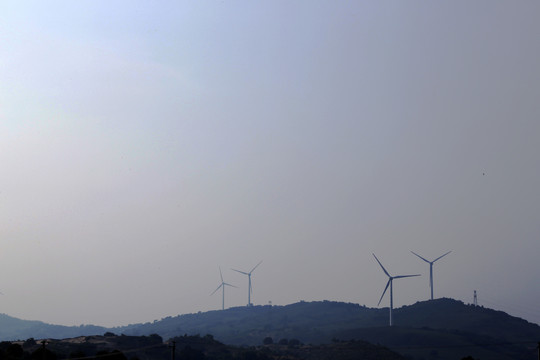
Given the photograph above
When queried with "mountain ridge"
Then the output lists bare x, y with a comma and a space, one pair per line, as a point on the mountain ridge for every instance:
441, 326
318, 321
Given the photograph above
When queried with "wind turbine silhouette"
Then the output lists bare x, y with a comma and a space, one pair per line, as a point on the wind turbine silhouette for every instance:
222, 286
431, 269
250, 290
389, 283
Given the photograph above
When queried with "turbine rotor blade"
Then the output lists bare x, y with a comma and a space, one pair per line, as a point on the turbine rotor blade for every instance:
220, 274
404, 276
442, 256
420, 257
230, 285
384, 292
216, 289
386, 272
256, 266
241, 272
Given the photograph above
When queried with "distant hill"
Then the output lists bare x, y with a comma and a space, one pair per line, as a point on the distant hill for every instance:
319, 322
438, 329
311, 322
16, 329
442, 327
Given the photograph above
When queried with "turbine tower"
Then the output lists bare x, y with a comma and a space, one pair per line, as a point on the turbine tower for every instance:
222, 286
389, 283
250, 290
431, 269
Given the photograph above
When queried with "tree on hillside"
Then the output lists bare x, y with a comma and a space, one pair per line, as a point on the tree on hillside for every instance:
42, 353
29, 343
294, 342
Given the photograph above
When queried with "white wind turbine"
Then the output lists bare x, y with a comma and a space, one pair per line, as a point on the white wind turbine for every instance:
222, 286
250, 290
389, 283
431, 269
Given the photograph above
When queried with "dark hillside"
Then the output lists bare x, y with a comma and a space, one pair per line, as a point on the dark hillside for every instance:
441, 344
138, 347
310, 322
452, 314
319, 322
114, 347
443, 328
350, 350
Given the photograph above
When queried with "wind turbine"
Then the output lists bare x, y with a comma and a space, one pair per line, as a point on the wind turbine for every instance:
389, 283
222, 286
250, 290
431, 269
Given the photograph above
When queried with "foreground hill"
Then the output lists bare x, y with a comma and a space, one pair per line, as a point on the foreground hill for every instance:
113, 347
426, 343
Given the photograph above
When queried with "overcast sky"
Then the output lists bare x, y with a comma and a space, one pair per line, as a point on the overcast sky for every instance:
144, 144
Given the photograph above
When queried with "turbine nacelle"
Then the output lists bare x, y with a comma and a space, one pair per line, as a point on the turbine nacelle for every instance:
431, 262
248, 274
222, 287
431, 268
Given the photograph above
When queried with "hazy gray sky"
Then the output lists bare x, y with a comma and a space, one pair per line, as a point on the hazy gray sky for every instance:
143, 144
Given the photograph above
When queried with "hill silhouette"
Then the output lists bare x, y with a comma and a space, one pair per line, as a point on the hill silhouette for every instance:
319, 322
439, 329
442, 328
